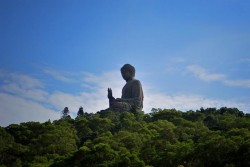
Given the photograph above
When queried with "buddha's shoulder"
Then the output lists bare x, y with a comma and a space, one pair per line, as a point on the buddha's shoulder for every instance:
135, 81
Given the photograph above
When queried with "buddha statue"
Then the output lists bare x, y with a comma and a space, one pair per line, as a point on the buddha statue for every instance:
132, 93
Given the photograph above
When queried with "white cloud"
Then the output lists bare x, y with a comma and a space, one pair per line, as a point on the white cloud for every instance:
240, 83
23, 86
33, 102
32, 94
23, 98
16, 110
23, 81
202, 74
61, 76
187, 102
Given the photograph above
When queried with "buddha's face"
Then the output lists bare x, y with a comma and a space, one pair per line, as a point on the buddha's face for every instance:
127, 74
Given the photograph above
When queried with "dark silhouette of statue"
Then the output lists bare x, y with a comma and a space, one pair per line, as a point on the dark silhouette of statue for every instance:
132, 93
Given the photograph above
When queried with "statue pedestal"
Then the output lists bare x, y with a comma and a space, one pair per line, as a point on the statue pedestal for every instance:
120, 106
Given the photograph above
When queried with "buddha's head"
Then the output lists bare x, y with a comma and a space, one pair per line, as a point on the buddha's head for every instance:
128, 72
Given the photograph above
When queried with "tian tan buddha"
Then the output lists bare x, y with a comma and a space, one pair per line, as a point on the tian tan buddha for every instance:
132, 94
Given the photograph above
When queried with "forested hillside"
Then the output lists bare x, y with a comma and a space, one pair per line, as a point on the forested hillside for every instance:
203, 138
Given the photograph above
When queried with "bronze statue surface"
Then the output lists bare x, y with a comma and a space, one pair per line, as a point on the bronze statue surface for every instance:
132, 93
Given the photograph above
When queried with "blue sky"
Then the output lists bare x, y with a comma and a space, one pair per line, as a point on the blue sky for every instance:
187, 54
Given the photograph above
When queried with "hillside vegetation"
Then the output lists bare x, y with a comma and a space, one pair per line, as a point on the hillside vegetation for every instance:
204, 138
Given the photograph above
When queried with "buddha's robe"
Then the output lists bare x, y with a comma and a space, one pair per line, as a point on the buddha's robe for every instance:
132, 93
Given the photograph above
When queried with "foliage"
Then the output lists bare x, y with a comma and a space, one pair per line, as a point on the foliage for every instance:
65, 112
80, 112
164, 137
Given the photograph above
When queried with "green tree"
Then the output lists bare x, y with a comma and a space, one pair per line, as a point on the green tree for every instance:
10, 151
58, 140
65, 112
80, 112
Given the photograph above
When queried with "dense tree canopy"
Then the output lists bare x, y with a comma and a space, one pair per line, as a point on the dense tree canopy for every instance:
165, 137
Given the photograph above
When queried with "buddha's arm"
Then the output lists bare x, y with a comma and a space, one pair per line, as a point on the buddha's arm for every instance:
110, 96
